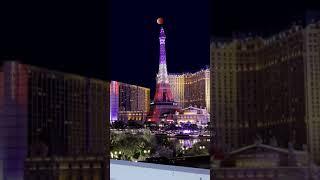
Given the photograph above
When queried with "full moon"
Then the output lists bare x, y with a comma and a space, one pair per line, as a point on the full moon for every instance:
160, 20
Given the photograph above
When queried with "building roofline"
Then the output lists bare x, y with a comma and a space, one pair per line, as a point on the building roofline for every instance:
131, 84
267, 147
205, 68
73, 75
263, 38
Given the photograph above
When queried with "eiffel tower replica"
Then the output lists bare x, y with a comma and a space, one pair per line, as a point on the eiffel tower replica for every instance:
163, 107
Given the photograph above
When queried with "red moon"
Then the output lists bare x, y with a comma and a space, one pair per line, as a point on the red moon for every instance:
160, 20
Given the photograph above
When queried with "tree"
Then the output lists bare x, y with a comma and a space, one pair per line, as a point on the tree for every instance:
151, 125
199, 148
134, 124
193, 127
128, 147
119, 125
163, 151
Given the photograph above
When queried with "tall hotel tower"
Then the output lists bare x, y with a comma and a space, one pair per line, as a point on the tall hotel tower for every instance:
268, 89
163, 106
53, 125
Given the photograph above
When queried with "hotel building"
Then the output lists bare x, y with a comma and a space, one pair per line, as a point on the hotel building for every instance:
128, 102
191, 89
47, 118
267, 88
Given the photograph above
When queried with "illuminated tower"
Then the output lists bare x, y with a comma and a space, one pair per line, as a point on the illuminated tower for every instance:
163, 106
163, 91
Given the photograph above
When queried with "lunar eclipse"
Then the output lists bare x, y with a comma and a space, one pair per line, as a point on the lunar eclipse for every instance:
160, 20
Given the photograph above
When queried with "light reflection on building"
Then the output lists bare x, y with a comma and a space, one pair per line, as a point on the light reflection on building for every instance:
114, 100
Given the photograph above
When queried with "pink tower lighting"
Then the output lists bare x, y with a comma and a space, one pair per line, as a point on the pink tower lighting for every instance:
163, 91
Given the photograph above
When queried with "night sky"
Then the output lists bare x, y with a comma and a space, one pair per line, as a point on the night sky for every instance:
258, 17
65, 35
118, 39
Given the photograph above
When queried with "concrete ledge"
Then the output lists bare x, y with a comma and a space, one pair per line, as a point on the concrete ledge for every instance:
124, 170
